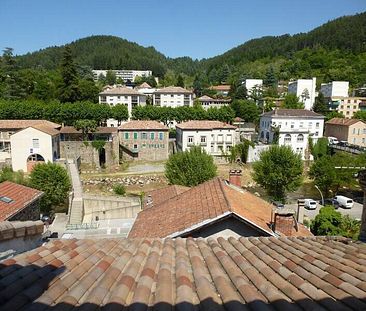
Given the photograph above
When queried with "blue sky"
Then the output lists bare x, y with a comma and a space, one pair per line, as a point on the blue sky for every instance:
195, 28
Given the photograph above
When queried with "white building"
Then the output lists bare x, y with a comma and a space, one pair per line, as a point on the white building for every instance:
253, 85
125, 75
32, 145
209, 102
294, 127
335, 89
304, 89
173, 96
213, 136
121, 96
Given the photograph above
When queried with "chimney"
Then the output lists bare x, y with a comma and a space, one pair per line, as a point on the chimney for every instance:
300, 210
362, 181
235, 177
284, 221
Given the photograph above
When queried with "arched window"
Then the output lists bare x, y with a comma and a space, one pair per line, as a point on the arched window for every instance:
300, 138
287, 139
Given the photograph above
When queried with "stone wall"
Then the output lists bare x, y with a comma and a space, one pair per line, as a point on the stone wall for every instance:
110, 207
31, 212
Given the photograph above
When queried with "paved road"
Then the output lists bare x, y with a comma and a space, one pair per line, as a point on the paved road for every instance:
354, 212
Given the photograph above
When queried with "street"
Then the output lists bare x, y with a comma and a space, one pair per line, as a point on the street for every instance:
354, 212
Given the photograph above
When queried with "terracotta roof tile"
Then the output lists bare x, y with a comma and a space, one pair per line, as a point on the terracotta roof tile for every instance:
119, 91
293, 113
21, 196
343, 121
143, 125
204, 124
158, 196
99, 130
21, 124
173, 89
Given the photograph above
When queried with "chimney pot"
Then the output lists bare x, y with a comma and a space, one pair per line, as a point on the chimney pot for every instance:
300, 210
235, 177
284, 221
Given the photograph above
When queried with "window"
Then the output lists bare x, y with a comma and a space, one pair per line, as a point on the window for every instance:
135, 135
287, 139
354, 107
135, 146
310, 125
228, 137
190, 139
161, 136
203, 139
292, 125
35, 142
152, 135
354, 131
127, 135
300, 138
301, 124
317, 125
143, 135
220, 138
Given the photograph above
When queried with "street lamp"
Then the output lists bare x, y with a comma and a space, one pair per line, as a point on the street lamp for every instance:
321, 194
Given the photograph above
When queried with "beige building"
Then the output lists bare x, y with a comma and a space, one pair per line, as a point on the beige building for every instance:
348, 106
32, 145
173, 96
209, 102
351, 130
144, 140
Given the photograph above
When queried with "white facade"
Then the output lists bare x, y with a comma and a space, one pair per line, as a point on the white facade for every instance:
254, 153
173, 97
123, 74
335, 89
31, 142
294, 130
253, 84
215, 141
209, 102
304, 89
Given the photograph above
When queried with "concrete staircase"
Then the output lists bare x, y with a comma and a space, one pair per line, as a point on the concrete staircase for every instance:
77, 207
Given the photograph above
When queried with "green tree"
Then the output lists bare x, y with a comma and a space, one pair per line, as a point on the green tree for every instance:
270, 78
333, 114
321, 105
69, 89
327, 222
279, 170
360, 115
292, 102
197, 86
110, 77
240, 151
88, 90
323, 173
320, 148
241, 92
180, 81
190, 168
86, 127
246, 109
120, 113
53, 180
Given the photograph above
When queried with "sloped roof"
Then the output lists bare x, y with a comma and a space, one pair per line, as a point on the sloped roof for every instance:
200, 205
22, 124
204, 125
293, 113
143, 125
158, 196
46, 129
173, 89
222, 87
119, 91
21, 196
343, 121
205, 98
99, 130
144, 85
187, 274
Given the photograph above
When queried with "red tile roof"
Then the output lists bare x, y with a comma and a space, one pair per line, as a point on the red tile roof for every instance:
187, 274
173, 90
143, 125
20, 195
343, 121
119, 91
293, 113
202, 205
223, 87
158, 196
204, 125
22, 124
99, 130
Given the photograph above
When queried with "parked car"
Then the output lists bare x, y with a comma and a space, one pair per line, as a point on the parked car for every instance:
344, 201
333, 140
331, 202
278, 204
310, 204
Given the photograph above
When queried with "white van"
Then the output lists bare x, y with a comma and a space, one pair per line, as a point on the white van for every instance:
310, 204
344, 201
333, 140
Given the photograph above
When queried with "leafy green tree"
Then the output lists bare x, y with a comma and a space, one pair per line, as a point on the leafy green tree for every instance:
180, 81
119, 113
190, 168
240, 151
69, 89
351, 227
270, 78
292, 102
333, 114
86, 127
321, 105
279, 170
119, 189
197, 86
327, 222
246, 109
7, 173
110, 77
360, 115
53, 180
241, 92
88, 90
320, 148
323, 173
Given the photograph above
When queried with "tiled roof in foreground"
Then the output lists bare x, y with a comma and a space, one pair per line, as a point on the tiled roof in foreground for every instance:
187, 274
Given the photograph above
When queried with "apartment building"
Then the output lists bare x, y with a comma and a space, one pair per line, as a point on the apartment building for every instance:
335, 89
222, 89
125, 75
214, 137
173, 96
304, 89
293, 127
350, 130
144, 140
253, 85
209, 102
348, 106
120, 95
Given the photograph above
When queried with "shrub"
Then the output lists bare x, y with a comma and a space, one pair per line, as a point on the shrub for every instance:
119, 190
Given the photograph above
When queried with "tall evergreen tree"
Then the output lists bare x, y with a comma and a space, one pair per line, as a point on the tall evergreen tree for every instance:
270, 78
320, 104
180, 81
69, 90
110, 77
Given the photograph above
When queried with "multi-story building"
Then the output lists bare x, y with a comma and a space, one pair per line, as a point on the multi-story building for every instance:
124, 96
144, 140
348, 106
291, 127
208, 102
125, 75
213, 136
253, 85
172, 96
335, 89
222, 89
304, 90
350, 130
